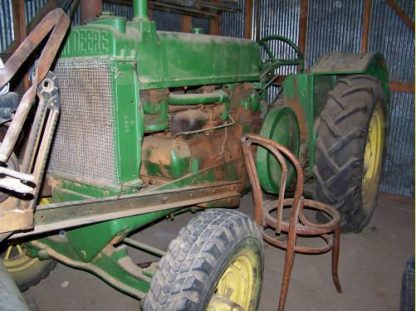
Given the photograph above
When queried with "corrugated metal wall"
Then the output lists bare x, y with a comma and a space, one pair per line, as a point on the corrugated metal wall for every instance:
32, 7
6, 25
333, 26
167, 21
400, 156
232, 24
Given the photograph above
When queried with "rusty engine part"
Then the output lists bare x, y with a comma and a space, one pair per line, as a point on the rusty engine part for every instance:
298, 223
198, 136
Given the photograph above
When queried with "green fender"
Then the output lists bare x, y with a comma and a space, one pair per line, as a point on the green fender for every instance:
372, 64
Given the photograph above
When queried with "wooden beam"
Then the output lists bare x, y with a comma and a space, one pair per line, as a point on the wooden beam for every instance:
215, 26
405, 87
365, 26
303, 25
90, 9
19, 28
215, 23
19, 20
248, 19
397, 198
186, 23
402, 14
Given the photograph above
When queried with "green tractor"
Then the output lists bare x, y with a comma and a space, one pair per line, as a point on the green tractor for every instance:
150, 125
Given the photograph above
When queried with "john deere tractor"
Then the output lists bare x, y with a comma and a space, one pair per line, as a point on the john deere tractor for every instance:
150, 125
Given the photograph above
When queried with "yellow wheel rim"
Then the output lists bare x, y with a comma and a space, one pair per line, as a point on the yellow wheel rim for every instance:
234, 291
373, 155
15, 258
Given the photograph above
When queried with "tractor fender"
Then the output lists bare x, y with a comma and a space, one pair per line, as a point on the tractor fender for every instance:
337, 63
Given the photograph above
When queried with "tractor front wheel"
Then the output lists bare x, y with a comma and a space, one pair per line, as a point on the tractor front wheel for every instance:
215, 264
349, 149
26, 271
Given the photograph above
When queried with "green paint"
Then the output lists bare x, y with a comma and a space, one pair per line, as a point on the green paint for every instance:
166, 59
129, 121
280, 125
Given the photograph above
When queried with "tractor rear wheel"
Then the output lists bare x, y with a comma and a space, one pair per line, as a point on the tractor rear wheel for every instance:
216, 263
349, 149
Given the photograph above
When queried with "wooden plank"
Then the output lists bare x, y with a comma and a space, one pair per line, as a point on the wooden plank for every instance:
186, 23
303, 25
19, 28
402, 14
214, 26
406, 87
248, 19
215, 23
397, 198
365, 26
19, 20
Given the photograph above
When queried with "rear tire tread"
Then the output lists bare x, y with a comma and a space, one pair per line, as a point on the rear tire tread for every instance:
341, 137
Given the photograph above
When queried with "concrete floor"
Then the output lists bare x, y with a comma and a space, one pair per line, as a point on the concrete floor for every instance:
371, 266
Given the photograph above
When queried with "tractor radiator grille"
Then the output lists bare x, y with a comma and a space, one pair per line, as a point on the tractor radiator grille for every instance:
84, 148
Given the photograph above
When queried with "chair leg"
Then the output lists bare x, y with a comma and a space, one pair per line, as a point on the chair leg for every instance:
335, 258
287, 271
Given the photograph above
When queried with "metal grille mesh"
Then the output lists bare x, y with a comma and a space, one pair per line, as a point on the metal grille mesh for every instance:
84, 147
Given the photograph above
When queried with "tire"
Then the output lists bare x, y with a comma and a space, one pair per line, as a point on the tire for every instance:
24, 270
349, 149
200, 265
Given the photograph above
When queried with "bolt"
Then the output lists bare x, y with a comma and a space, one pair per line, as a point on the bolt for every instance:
43, 254
83, 254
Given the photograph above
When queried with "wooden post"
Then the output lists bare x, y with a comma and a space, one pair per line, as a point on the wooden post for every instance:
90, 9
186, 23
303, 24
248, 19
365, 26
19, 20
215, 24
19, 28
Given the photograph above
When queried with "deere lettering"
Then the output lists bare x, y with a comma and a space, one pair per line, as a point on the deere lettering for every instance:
87, 42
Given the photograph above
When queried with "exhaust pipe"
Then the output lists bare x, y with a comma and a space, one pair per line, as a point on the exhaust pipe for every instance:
140, 9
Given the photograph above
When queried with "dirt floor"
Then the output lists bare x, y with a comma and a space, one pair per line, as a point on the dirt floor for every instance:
371, 267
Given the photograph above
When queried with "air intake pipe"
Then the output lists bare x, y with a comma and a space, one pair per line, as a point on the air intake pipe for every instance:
140, 9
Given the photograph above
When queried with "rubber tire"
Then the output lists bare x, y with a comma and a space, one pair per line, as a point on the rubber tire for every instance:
198, 257
32, 275
342, 130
